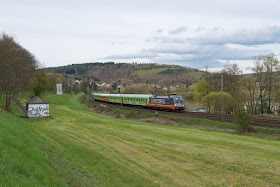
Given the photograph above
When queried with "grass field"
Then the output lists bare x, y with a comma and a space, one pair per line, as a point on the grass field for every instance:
76, 146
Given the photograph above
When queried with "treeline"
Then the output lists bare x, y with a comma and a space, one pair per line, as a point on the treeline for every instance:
77, 69
256, 93
110, 72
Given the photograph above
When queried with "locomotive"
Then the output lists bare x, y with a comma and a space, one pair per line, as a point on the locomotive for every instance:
170, 103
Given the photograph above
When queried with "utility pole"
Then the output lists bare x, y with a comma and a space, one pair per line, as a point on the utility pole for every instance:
273, 94
222, 99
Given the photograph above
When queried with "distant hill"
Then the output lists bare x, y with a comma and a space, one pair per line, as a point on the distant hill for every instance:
137, 73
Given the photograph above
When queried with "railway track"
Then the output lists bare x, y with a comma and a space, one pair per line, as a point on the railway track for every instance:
255, 121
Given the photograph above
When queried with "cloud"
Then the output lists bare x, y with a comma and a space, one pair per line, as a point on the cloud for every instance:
209, 47
140, 54
199, 56
178, 30
159, 30
164, 39
244, 36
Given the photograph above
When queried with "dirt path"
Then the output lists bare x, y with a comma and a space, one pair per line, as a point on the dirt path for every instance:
22, 108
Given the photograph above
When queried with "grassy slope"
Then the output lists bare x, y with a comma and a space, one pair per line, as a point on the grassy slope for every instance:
27, 159
88, 148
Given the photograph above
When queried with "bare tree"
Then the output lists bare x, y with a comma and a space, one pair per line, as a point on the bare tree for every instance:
17, 66
271, 64
264, 68
248, 87
231, 78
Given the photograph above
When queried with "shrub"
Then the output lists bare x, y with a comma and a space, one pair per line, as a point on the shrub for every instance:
242, 118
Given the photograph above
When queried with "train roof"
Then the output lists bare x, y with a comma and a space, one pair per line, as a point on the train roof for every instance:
166, 97
136, 95
124, 95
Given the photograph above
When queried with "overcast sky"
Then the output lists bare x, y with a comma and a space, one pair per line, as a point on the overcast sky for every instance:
184, 32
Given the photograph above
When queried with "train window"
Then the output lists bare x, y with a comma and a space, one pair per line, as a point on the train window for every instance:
179, 100
168, 102
159, 101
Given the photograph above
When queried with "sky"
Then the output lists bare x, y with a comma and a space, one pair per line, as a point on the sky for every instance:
194, 34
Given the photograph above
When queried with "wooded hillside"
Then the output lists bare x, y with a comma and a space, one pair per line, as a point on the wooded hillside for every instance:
137, 73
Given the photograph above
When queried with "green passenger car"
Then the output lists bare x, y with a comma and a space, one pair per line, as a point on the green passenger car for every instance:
129, 99
136, 99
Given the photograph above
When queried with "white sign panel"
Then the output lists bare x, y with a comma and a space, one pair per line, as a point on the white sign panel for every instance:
59, 89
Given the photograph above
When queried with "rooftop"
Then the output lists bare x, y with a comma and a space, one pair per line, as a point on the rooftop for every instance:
37, 100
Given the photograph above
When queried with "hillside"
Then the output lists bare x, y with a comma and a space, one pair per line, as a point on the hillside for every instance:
137, 73
78, 147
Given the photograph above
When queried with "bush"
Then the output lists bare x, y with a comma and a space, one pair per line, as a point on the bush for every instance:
242, 118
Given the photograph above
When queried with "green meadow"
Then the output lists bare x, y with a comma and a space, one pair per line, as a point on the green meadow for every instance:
78, 147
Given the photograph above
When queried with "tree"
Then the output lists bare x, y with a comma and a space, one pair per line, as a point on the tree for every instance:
264, 68
271, 64
40, 82
55, 78
231, 76
201, 89
248, 87
213, 101
17, 66
85, 85
76, 88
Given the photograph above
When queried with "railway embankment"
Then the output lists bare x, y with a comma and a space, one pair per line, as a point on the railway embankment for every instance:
259, 127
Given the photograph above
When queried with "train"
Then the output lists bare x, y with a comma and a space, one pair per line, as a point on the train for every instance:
170, 103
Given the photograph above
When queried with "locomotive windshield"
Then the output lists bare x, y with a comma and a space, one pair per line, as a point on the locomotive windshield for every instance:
179, 101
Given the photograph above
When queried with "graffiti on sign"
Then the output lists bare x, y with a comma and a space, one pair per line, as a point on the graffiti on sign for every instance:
38, 112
